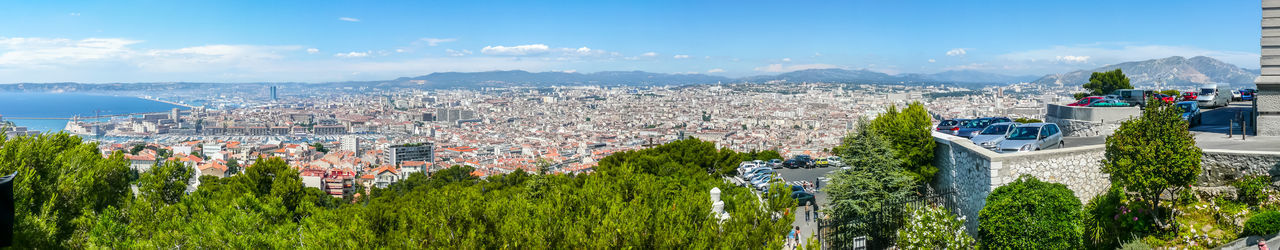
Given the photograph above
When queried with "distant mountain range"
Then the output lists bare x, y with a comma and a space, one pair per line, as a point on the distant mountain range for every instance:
518, 78
1171, 71
1174, 71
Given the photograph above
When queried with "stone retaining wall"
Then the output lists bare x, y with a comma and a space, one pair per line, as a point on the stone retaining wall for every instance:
1221, 167
973, 172
1088, 121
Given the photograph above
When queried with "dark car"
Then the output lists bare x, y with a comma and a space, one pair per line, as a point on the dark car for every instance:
792, 163
1248, 94
804, 161
970, 127
950, 126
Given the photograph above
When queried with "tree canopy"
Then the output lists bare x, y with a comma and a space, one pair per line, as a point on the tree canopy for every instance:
873, 184
1153, 154
1103, 83
72, 197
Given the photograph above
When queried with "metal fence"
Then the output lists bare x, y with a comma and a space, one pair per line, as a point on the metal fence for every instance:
879, 227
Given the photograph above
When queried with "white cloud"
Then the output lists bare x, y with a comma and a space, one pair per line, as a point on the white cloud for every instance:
518, 50
400, 50
680, 56
348, 19
38, 52
352, 54
457, 52
931, 60
1073, 59
788, 59
649, 54
780, 68
716, 70
195, 59
437, 41
312, 50
956, 52
74, 14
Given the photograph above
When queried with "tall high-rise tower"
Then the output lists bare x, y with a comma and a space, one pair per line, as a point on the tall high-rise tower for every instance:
273, 93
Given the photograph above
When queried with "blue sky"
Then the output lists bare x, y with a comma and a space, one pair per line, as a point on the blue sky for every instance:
318, 41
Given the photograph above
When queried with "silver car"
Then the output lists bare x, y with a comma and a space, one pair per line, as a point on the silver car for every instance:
991, 136
1031, 137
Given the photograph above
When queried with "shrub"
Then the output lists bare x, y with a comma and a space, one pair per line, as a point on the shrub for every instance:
1264, 223
1135, 245
1111, 218
931, 227
1031, 214
1251, 190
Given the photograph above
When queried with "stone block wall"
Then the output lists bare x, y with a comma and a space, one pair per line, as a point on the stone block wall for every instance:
1221, 167
1087, 121
972, 172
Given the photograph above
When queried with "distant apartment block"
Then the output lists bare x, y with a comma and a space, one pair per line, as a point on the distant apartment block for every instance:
453, 115
399, 154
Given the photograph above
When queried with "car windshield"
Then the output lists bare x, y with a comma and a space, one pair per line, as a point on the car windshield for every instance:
1186, 107
996, 130
947, 123
977, 123
1023, 133
1206, 91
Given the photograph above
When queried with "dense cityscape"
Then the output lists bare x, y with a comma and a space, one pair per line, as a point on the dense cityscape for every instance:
640, 124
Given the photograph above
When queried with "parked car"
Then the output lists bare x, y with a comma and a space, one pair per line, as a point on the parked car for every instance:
946, 126
1213, 95
775, 163
1165, 98
972, 127
822, 162
835, 161
805, 161
1190, 112
1137, 97
756, 173
1248, 94
1188, 96
991, 136
1235, 95
1032, 137
1084, 102
1109, 103
792, 163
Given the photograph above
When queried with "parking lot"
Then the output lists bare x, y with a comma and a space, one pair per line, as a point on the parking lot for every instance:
808, 225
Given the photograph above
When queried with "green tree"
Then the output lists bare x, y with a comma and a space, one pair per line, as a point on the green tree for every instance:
875, 180
1030, 214
1172, 92
165, 183
233, 166
911, 138
136, 149
1103, 83
1080, 95
60, 181
320, 147
1153, 154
